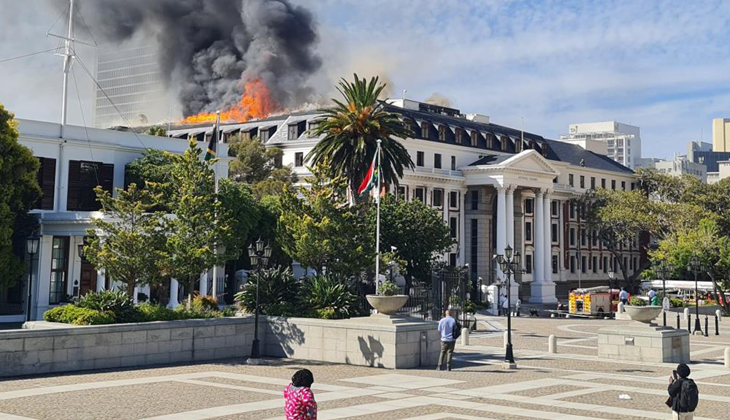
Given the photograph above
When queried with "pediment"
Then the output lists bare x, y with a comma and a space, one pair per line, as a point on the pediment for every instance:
529, 160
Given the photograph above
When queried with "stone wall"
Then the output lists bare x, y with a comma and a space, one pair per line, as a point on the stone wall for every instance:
371, 341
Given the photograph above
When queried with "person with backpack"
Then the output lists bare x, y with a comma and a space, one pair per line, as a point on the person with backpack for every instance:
683, 394
450, 330
299, 403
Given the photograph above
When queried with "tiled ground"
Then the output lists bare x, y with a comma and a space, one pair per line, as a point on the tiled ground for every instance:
571, 385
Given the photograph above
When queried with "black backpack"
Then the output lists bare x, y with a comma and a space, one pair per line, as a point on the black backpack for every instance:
456, 333
689, 396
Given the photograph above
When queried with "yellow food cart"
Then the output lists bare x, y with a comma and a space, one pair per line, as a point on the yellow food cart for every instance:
590, 302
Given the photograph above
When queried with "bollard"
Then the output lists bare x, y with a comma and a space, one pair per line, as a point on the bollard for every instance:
718, 314
686, 313
552, 344
620, 307
689, 323
727, 357
717, 325
506, 338
678, 321
465, 336
706, 327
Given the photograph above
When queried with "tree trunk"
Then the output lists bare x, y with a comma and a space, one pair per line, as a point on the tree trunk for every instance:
718, 292
130, 289
191, 288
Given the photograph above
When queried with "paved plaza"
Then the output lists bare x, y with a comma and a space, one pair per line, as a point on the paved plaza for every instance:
573, 384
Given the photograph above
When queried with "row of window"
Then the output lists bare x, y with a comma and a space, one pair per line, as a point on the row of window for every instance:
596, 264
437, 196
83, 177
582, 183
437, 161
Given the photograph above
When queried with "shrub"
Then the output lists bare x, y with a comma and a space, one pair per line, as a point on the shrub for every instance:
205, 303
151, 312
277, 287
228, 311
71, 314
637, 301
115, 301
388, 289
330, 296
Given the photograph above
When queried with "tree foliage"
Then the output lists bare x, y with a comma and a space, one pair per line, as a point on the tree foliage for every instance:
260, 167
19, 191
128, 242
351, 129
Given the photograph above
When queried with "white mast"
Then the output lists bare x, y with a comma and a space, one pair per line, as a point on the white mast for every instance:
67, 62
377, 222
214, 285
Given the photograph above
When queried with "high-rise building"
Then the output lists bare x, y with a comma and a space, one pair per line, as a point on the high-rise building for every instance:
721, 135
623, 141
133, 89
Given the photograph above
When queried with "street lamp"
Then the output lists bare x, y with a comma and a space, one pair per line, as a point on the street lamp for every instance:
31, 247
696, 267
509, 265
259, 259
664, 270
578, 261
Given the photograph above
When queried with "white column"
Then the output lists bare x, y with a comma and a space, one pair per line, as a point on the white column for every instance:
539, 233
462, 228
100, 280
547, 221
563, 239
173, 294
204, 284
42, 288
501, 226
511, 217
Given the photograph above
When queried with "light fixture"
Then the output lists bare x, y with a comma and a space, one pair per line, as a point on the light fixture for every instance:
251, 251
508, 252
82, 254
31, 245
267, 251
259, 245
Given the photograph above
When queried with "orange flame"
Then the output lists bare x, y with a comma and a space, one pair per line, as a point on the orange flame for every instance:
256, 102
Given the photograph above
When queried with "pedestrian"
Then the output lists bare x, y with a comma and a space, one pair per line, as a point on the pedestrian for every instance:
505, 306
623, 296
299, 403
683, 393
518, 304
652, 293
448, 329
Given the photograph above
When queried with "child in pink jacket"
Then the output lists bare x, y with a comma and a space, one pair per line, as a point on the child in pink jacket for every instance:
299, 401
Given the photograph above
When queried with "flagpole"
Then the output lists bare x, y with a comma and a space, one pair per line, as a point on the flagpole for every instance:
377, 224
216, 132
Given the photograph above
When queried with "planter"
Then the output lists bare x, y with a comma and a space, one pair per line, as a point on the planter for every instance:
387, 305
644, 314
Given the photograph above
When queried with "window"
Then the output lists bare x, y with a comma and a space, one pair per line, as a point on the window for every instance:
442, 132
264, 135
293, 132
474, 247
299, 159
490, 141
452, 259
572, 236
437, 160
421, 194
453, 163
459, 136
475, 199
503, 143
402, 192
59, 269
603, 183
583, 238
570, 179
453, 226
583, 264
633, 184
594, 238
572, 210
554, 233
246, 135
595, 264
518, 146
623, 185
419, 158
528, 231
554, 206
613, 184
554, 264
593, 182
454, 199
474, 138
83, 177
529, 205
582, 181
528, 263
438, 197
47, 182
636, 267
605, 264
424, 130
545, 150
572, 264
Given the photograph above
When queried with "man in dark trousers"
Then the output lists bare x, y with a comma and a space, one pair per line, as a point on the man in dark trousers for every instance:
446, 327
684, 393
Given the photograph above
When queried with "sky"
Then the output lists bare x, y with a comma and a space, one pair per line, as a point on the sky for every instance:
660, 65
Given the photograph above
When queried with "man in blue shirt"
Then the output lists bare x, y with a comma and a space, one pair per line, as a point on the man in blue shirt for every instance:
623, 296
446, 328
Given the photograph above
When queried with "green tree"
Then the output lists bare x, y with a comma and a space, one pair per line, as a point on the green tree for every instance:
259, 166
197, 224
706, 242
320, 230
351, 129
157, 130
417, 231
19, 191
128, 243
618, 218
238, 206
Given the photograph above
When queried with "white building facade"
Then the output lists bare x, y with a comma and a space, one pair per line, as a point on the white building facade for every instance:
623, 141
71, 167
494, 187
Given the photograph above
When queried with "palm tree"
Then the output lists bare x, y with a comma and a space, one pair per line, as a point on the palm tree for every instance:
351, 131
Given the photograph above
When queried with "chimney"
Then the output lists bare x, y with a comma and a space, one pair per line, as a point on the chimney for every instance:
478, 118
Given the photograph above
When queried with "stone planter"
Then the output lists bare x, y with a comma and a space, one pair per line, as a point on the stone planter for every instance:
644, 314
387, 305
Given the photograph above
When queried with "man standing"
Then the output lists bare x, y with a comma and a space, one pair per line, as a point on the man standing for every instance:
447, 325
684, 393
623, 296
505, 306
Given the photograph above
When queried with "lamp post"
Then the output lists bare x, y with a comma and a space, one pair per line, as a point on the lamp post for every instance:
664, 270
611, 276
695, 266
578, 264
509, 264
31, 245
259, 258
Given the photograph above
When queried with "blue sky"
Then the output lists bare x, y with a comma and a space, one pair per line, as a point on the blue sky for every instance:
661, 65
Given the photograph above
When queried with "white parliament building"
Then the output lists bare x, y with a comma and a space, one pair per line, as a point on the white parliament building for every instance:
494, 185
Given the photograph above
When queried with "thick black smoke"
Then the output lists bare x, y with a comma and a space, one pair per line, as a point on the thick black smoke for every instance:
213, 47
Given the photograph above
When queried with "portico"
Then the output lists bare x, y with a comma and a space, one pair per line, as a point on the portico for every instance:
510, 176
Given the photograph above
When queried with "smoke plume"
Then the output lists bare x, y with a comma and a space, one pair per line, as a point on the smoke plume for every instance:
438, 99
212, 48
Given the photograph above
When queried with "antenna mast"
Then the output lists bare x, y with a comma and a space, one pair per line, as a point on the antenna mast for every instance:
68, 56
